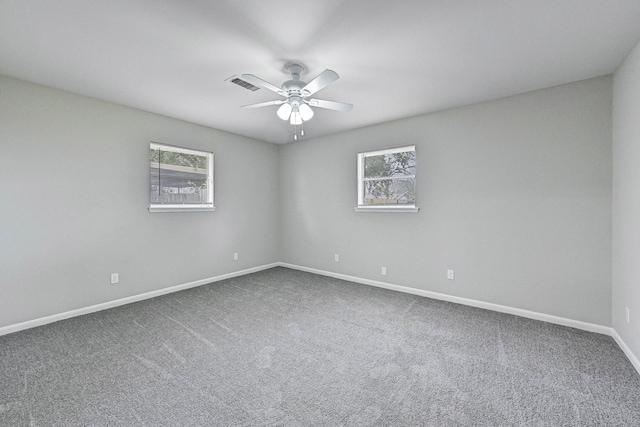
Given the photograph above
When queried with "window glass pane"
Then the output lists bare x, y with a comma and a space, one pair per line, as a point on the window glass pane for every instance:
154, 191
392, 164
398, 191
178, 178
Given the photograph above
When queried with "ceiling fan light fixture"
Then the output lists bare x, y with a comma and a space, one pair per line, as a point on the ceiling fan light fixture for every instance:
305, 112
284, 111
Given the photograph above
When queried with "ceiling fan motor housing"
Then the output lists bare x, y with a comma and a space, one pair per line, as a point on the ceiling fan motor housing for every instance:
294, 87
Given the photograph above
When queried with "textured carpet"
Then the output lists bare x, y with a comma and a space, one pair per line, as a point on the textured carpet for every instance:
287, 348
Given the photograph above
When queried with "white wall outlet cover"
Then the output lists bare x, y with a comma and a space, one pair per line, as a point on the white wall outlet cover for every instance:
114, 278
451, 275
336, 257
383, 271
235, 256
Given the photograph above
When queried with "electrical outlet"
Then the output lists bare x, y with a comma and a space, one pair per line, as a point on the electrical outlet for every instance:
383, 271
235, 256
115, 278
451, 275
627, 314
336, 257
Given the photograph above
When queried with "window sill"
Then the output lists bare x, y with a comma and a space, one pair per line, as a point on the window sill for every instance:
181, 209
395, 209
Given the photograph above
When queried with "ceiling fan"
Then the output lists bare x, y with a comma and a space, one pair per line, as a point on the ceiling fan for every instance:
296, 107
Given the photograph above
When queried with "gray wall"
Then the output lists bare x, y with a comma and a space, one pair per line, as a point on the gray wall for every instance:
74, 197
515, 196
626, 200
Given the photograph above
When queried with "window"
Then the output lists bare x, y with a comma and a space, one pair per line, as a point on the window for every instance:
387, 180
179, 179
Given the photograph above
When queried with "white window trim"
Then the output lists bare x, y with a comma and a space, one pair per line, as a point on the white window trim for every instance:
179, 208
205, 207
387, 209
361, 207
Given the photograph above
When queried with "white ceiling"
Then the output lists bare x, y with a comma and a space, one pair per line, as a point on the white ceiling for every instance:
395, 58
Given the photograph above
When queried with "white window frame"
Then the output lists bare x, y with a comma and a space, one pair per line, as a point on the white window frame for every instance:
361, 207
209, 206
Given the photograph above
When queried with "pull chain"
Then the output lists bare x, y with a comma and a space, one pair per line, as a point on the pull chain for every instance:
295, 130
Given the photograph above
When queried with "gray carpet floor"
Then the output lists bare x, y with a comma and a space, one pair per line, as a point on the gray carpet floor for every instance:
287, 348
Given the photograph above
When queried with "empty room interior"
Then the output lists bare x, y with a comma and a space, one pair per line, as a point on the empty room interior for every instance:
399, 213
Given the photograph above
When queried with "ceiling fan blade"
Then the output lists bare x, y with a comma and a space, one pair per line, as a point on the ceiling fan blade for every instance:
331, 105
259, 82
264, 104
323, 79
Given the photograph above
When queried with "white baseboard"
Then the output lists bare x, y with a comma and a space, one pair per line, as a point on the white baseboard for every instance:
623, 345
128, 300
591, 327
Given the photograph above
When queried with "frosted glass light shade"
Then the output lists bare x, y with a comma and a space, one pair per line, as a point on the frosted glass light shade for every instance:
305, 112
284, 111
296, 118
